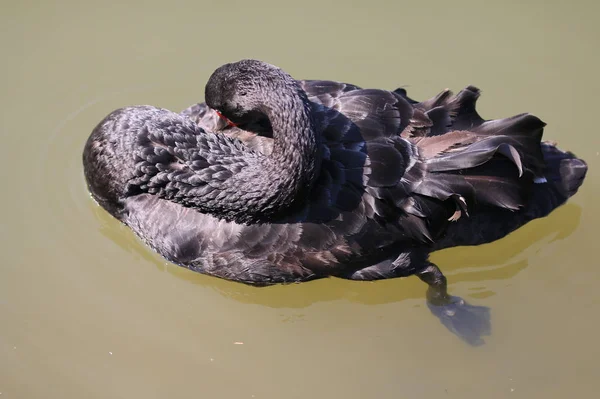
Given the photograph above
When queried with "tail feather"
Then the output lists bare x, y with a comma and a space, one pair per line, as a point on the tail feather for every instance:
461, 107
468, 163
465, 116
563, 169
441, 120
476, 154
564, 173
495, 182
482, 162
572, 172
442, 99
513, 125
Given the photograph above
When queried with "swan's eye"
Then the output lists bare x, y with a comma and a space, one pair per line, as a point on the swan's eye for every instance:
243, 93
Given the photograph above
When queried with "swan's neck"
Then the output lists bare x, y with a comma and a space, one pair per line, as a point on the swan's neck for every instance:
285, 177
294, 155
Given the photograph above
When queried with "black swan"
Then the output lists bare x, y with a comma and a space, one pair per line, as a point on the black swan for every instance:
276, 180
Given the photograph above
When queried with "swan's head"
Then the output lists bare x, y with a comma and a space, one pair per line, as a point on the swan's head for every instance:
242, 91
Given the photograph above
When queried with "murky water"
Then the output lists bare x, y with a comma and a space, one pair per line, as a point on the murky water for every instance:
87, 311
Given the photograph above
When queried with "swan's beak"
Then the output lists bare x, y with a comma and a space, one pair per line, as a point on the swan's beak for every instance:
229, 123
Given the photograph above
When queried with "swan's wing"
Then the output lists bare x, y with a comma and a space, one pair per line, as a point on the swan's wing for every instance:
420, 172
365, 163
325, 92
443, 113
257, 254
466, 162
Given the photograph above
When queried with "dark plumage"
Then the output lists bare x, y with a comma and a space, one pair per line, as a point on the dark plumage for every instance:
321, 178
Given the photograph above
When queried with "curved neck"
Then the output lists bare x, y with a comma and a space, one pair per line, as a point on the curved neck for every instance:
273, 186
295, 138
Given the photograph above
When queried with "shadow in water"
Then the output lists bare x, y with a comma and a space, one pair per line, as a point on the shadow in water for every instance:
494, 261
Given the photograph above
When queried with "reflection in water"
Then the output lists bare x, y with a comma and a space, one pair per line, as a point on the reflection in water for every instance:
464, 264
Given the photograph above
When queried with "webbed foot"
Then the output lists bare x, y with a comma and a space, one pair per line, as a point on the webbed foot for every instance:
470, 323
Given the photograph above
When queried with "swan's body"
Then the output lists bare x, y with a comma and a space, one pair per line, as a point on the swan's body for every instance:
359, 184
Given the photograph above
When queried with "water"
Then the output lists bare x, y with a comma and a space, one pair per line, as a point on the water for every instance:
87, 311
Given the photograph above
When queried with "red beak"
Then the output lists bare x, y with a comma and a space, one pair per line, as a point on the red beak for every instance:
229, 123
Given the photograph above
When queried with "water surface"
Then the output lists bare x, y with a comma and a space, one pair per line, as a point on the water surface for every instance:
87, 311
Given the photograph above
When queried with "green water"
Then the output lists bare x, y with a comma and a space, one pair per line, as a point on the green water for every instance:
87, 311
